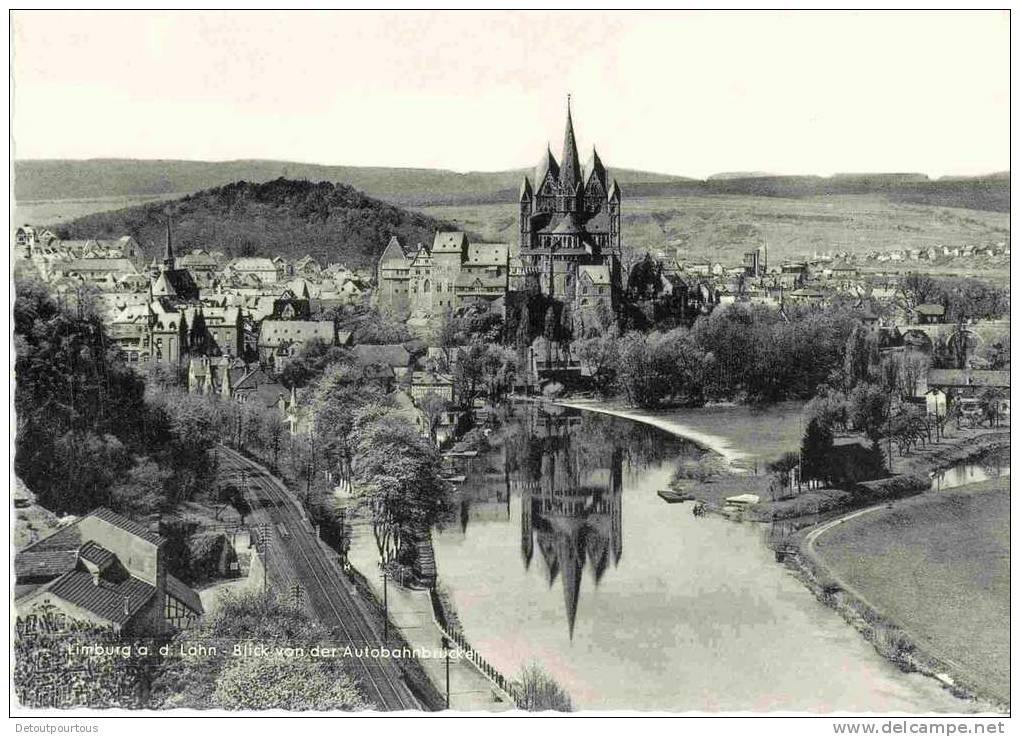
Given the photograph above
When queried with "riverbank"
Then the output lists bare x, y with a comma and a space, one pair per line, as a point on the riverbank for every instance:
926, 581
924, 624
716, 443
963, 446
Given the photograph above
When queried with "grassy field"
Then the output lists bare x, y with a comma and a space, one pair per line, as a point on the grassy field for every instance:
54, 212
723, 227
938, 566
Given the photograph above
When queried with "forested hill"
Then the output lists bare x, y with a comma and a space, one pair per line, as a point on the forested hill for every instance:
332, 222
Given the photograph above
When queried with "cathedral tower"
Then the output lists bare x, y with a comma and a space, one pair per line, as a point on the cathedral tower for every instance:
569, 219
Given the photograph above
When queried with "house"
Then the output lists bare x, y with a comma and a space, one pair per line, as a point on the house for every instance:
594, 286
427, 382
224, 327
287, 338
200, 263
307, 266
965, 387
929, 314
107, 570
395, 356
264, 270
259, 388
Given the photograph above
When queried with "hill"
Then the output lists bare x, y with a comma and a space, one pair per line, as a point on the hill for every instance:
332, 222
722, 227
92, 179
61, 179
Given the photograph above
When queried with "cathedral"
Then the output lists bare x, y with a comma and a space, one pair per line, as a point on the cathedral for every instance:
570, 226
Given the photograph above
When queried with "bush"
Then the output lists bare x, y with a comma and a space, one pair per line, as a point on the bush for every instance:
893, 487
539, 692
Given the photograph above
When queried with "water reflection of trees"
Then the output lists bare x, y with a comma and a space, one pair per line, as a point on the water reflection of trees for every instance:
995, 462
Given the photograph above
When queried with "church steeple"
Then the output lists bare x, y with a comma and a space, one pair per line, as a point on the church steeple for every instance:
168, 257
570, 166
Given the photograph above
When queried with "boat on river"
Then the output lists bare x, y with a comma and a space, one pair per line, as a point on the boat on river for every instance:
673, 497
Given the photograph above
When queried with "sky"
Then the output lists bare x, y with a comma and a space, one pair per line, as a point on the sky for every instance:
675, 92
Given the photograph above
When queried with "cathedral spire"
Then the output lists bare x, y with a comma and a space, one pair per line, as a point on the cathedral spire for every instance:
570, 167
168, 256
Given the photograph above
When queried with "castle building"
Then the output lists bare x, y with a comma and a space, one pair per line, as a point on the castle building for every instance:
437, 278
569, 219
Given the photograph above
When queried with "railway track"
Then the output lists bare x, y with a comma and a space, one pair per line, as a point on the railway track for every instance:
298, 556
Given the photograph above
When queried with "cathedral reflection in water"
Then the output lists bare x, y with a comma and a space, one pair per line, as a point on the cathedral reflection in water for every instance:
569, 485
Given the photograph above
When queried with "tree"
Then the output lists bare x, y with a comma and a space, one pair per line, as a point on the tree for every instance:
599, 357
330, 409
311, 362
645, 279
399, 477
144, 491
433, 407
990, 400
467, 373
998, 353
870, 406
816, 451
538, 691
860, 355
80, 408
830, 407
782, 467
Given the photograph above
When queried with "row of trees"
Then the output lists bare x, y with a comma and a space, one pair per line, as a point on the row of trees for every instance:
745, 353
965, 298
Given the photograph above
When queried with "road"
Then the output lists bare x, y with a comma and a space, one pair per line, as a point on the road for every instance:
297, 556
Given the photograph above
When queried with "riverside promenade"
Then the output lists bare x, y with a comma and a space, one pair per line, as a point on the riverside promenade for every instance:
411, 611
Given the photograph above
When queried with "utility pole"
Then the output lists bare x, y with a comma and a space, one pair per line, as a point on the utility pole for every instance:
446, 653
264, 539
386, 610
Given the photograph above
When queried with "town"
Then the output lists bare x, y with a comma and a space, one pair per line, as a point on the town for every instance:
207, 440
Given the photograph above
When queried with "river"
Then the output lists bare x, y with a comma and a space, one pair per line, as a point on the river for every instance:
562, 554
990, 467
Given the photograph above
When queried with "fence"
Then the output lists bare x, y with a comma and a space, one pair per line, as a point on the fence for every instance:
456, 637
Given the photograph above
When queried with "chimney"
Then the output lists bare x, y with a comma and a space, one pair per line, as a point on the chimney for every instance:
127, 607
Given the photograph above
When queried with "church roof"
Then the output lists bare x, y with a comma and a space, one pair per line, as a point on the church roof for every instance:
594, 168
546, 165
175, 283
568, 224
525, 189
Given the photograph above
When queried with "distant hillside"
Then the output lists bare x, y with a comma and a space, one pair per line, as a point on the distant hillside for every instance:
989, 192
92, 179
332, 222
58, 179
